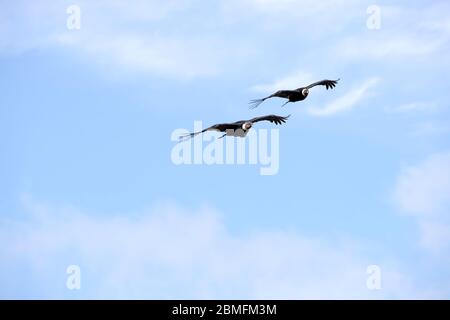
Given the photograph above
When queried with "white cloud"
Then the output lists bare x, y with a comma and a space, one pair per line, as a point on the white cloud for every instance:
291, 81
305, 8
168, 252
346, 102
441, 26
424, 36
300, 17
137, 10
300, 78
432, 18
124, 37
403, 46
423, 191
435, 235
179, 58
417, 106
430, 128
162, 38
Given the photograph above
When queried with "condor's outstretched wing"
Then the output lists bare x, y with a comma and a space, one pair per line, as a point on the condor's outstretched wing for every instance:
272, 118
329, 84
280, 94
221, 127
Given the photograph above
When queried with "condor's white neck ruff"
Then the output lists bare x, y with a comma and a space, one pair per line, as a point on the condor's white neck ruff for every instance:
246, 126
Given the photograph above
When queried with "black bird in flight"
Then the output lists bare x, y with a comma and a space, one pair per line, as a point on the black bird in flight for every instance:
294, 95
238, 128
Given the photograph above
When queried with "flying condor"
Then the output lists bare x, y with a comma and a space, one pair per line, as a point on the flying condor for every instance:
295, 95
238, 128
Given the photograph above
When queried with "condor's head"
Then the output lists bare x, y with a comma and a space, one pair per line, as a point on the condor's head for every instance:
305, 92
247, 125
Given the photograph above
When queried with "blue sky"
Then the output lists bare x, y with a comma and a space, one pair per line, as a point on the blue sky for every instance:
86, 174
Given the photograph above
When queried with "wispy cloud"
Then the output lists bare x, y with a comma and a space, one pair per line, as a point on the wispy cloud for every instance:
402, 46
426, 128
302, 17
113, 34
425, 36
288, 82
170, 252
180, 58
282, 7
423, 191
418, 106
346, 102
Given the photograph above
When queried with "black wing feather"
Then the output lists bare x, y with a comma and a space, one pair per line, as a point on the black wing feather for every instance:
221, 127
329, 84
279, 94
272, 118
